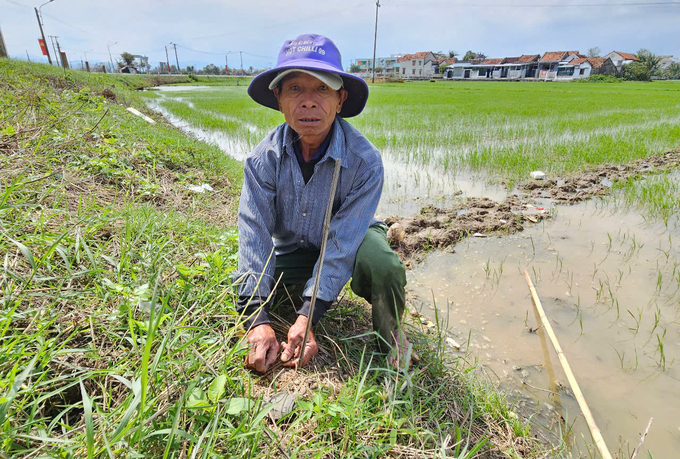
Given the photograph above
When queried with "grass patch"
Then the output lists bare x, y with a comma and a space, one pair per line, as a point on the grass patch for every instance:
117, 326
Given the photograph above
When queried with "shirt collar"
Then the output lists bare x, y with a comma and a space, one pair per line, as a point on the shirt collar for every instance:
335, 150
319, 153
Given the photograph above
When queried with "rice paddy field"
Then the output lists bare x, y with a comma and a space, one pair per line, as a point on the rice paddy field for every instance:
607, 269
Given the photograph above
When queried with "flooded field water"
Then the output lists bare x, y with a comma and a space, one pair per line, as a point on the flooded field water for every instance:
609, 282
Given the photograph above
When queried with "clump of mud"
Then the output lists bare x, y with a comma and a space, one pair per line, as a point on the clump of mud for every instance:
443, 227
598, 181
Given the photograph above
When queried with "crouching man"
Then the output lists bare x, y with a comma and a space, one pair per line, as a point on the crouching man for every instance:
286, 187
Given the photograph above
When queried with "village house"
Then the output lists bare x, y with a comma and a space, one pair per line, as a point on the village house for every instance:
387, 65
620, 59
554, 65
417, 65
511, 68
442, 62
583, 67
549, 63
526, 66
665, 62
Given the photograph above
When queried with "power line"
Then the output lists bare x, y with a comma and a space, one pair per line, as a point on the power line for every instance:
544, 5
67, 24
223, 53
272, 26
257, 55
17, 3
205, 52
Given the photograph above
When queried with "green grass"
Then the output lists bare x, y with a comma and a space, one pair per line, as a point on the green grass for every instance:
504, 130
117, 325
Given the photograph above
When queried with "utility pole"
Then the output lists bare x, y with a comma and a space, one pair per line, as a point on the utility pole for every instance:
61, 58
176, 59
27, 56
54, 48
241, 53
108, 46
167, 59
49, 59
3, 47
375, 39
226, 62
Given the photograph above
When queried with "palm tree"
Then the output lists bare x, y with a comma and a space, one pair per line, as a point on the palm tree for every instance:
649, 60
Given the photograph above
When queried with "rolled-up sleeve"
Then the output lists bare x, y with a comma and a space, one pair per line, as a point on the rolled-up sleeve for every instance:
256, 219
347, 230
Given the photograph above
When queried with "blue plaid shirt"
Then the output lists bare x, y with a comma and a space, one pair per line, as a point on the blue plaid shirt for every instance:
279, 212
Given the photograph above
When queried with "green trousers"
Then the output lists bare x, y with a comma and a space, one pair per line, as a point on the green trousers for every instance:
379, 277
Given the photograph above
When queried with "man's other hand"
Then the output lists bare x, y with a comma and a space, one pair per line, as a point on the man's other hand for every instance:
263, 347
291, 349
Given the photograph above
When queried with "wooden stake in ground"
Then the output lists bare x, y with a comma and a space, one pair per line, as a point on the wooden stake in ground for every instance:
322, 253
594, 430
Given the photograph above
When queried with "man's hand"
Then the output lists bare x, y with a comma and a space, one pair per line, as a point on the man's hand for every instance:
291, 349
263, 347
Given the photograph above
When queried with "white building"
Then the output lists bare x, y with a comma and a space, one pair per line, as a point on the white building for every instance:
418, 65
620, 59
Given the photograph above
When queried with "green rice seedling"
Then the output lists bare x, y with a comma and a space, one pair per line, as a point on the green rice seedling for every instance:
662, 356
637, 319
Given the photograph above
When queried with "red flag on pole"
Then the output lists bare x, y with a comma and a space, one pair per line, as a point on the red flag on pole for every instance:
43, 46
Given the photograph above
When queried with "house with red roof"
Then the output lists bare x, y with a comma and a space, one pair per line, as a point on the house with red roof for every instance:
417, 65
549, 63
582, 67
620, 59
511, 68
553, 65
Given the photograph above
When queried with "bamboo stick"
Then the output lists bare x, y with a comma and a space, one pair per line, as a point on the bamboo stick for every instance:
594, 430
322, 254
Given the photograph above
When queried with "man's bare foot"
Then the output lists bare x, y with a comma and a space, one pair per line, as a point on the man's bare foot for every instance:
402, 351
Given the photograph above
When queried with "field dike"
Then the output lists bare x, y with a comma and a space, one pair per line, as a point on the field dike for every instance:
442, 228
118, 331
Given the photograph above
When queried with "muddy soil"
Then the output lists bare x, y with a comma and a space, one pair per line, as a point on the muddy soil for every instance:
441, 228
598, 181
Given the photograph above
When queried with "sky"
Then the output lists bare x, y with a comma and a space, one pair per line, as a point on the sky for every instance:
206, 30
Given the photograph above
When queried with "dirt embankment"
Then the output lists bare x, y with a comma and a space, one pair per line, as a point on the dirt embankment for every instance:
599, 180
436, 228
441, 228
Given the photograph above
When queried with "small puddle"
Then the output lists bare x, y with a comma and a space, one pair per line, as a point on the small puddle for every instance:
610, 285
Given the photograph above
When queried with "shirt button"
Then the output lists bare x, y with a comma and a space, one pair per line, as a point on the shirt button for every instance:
302, 241
304, 214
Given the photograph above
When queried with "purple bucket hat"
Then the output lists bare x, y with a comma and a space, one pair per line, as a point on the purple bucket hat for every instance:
311, 52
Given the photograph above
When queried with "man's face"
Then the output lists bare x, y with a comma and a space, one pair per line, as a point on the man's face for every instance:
308, 104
